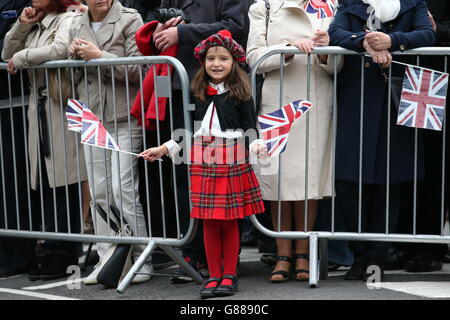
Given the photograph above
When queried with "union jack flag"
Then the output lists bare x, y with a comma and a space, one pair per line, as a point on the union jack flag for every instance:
74, 115
94, 133
275, 126
422, 102
323, 8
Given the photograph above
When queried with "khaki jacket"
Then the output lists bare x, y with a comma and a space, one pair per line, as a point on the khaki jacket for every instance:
29, 45
116, 38
288, 23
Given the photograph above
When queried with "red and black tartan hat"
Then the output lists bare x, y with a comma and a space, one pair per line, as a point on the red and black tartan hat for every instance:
222, 38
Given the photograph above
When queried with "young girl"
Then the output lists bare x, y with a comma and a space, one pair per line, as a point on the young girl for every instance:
224, 187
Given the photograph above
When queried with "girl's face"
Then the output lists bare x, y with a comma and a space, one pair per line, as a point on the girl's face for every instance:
218, 64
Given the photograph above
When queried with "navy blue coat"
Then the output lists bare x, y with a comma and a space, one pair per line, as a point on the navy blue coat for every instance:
411, 29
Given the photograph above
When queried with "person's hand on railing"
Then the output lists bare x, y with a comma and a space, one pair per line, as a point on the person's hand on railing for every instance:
31, 15
321, 39
155, 153
305, 45
11, 68
379, 40
382, 57
84, 49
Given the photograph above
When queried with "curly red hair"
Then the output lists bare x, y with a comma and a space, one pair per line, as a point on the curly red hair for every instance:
61, 5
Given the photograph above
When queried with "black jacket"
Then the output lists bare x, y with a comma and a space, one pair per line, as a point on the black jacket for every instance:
146, 8
232, 115
5, 25
208, 17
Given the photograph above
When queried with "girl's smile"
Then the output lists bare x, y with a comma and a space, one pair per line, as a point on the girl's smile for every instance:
218, 64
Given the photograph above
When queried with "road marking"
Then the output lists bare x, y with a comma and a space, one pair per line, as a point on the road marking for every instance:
35, 294
418, 288
55, 284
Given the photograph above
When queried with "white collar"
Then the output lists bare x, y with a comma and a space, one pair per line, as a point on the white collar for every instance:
219, 87
385, 10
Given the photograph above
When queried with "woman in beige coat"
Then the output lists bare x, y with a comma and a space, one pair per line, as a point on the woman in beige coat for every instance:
39, 35
107, 30
291, 24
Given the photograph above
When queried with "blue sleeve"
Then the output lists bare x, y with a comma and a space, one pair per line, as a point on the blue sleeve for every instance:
422, 36
340, 34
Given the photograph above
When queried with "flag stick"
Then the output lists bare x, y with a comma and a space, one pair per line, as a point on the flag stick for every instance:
127, 152
407, 64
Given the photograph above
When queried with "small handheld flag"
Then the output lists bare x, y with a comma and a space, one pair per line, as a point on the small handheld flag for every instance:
74, 115
323, 8
94, 133
422, 102
275, 126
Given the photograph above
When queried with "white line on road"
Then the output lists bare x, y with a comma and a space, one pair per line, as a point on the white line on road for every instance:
35, 294
55, 284
419, 288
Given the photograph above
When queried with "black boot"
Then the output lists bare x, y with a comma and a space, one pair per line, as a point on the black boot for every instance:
357, 270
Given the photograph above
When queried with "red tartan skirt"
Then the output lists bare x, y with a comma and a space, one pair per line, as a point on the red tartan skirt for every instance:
223, 184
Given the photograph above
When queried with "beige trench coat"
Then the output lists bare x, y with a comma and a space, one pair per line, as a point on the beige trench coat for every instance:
30, 45
289, 22
116, 38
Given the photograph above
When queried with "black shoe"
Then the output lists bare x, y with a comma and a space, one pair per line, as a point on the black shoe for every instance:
422, 264
207, 293
356, 271
180, 276
335, 266
161, 260
58, 266
395, 260
269, 259
227, 290
43, 263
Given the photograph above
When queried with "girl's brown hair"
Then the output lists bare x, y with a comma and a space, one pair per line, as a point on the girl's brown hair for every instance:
236, 82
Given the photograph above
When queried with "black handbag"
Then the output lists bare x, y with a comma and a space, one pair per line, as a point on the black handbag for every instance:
396, 91
260, 77
117, 261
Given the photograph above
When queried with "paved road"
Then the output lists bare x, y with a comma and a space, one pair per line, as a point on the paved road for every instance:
253, 285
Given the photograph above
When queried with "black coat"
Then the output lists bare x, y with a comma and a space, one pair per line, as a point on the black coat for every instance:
146, 8
208, 17
5, 25
411, 29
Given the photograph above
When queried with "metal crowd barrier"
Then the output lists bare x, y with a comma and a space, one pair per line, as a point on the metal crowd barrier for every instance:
27, 224
318, 239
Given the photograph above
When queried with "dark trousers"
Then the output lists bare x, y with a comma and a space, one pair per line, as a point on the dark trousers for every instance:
16, 254
373, 216
61, 207
153, 188
429, 218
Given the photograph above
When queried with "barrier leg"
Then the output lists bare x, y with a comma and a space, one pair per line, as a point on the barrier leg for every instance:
123, 285
323, 257
182, 263
313, 260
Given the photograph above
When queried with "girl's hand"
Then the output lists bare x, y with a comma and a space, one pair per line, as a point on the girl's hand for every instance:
87, 50
379, 40
321, 39
260, 151
155, 153
31, 15
305, 45
11, 69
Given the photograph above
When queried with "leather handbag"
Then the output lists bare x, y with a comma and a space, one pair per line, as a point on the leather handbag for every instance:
117, 261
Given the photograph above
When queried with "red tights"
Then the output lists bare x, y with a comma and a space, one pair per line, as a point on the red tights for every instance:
221, 242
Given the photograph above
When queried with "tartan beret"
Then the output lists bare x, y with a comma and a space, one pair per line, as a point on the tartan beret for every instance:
222, 38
